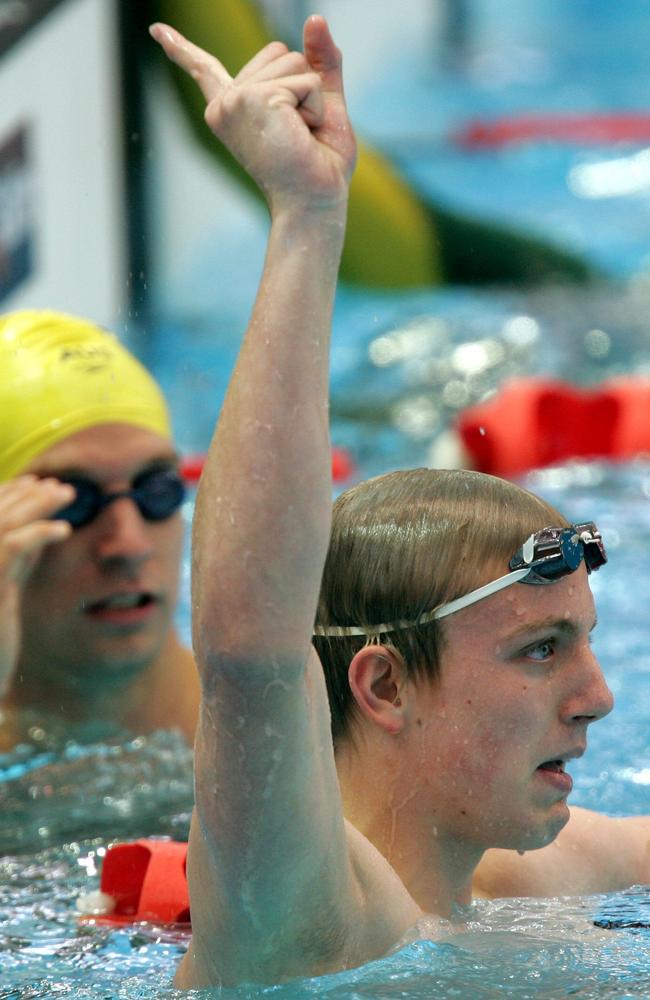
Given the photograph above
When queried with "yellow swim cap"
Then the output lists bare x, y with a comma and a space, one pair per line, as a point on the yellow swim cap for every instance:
60, 374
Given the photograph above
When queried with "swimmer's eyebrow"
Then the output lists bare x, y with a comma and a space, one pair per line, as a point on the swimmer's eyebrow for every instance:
565, 626
167, 460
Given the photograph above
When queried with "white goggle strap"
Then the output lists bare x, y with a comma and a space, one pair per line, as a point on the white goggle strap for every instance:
440, 612
475, 595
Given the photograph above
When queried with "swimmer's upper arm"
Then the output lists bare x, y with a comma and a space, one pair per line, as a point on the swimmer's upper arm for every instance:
594, 853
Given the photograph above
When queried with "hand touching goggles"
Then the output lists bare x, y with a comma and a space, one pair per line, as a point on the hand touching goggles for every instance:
544, 558
158, 493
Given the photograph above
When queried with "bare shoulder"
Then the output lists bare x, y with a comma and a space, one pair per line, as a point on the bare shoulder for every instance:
375, 916
370, 916
594, 853
381, 896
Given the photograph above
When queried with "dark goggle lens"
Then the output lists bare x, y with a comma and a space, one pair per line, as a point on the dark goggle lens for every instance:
158, 494
572, 550
86, 504
559, 551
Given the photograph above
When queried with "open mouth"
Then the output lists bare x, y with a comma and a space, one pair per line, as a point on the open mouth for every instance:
117, 603
553, 773
552, 765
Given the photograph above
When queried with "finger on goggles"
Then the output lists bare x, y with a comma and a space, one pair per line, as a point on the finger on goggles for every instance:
158, 493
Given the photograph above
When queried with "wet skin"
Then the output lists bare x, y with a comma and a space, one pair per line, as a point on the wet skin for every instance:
519, 686
97, 608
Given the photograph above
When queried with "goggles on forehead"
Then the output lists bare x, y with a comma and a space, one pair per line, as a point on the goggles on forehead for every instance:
158, 493
545, 557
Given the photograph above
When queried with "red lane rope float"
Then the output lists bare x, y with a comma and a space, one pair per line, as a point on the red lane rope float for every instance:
146, 880
535, 422
343, 466
587, 129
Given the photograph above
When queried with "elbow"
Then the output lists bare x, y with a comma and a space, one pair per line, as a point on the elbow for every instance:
224, 668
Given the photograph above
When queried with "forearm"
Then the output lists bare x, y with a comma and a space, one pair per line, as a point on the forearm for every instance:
263, 511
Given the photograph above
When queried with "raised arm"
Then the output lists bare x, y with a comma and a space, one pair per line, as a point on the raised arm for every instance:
271, 889
263, 511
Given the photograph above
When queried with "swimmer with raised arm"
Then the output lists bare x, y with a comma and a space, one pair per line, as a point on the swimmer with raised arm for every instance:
433, 707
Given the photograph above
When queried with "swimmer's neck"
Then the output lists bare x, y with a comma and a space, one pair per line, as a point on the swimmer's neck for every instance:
437, 870
163, 694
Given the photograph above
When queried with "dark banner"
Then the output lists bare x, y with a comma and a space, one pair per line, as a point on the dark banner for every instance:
18, 16
16, 211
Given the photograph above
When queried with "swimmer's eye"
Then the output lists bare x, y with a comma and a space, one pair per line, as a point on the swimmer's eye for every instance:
541, 651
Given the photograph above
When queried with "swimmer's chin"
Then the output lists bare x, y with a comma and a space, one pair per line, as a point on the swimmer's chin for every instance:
534, 840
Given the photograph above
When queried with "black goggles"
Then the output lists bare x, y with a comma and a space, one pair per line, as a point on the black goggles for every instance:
544, 557
157, 493
554, 552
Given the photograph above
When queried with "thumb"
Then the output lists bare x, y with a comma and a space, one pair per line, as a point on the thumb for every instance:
322, 54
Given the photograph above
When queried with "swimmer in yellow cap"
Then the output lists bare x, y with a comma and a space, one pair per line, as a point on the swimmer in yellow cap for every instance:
90, 532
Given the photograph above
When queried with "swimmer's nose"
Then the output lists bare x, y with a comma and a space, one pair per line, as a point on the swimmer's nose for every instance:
123, 535
591, 698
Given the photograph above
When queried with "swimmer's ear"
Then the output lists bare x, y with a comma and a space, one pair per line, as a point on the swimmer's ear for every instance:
377, 677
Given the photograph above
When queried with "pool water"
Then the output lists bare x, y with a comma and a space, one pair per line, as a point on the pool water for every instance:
519, 949
514, 948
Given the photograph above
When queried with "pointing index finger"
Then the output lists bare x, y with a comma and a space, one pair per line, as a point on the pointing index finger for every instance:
208, 72
322, 54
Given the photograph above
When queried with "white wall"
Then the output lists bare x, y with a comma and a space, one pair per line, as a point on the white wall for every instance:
60, 82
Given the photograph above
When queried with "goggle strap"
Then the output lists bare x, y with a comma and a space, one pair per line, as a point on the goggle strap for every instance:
334, 631
476, 595
592, 551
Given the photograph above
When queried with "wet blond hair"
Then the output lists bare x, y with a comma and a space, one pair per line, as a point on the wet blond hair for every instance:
401, 545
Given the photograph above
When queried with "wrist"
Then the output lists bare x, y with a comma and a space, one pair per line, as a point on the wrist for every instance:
309, 224
296, 211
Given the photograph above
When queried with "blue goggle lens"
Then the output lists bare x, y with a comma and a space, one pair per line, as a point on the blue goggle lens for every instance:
559, 551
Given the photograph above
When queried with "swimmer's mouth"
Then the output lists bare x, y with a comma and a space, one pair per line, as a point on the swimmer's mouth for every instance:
558, 764
122, 602
552, 765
